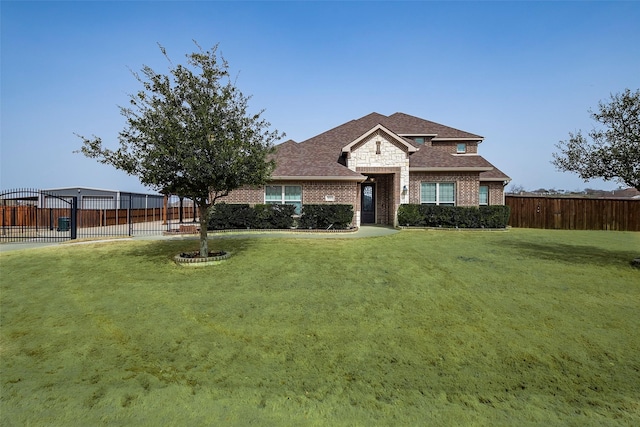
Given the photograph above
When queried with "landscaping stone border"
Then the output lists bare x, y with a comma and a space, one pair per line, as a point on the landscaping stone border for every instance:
259, 230
201, 262
452, 228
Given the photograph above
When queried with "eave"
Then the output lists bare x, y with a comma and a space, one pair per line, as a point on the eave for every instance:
507, 180
436, 139
450, 169
360, 178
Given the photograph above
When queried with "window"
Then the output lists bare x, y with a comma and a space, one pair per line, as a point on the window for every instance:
438, 193
284, 195
484, 195
461, 148
418, 140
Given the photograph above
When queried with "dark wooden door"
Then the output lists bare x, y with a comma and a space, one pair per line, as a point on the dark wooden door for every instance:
368, 203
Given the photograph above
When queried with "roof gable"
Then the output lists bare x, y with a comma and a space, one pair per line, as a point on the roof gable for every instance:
401, 142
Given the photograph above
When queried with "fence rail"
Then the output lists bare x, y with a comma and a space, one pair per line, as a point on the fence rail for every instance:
38, 215
32, 216
569, 213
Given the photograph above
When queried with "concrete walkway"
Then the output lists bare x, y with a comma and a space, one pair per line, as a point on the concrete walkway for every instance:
362, 232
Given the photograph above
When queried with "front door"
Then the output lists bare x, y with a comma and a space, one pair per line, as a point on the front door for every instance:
368, 205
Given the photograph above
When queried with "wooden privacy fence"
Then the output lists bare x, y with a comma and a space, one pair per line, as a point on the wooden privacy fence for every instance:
567, 213
32, 216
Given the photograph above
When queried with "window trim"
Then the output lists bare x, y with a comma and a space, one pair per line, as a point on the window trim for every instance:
438, 202
480, 193
283, 200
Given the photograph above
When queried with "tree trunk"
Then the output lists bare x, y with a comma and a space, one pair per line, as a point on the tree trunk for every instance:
204, 219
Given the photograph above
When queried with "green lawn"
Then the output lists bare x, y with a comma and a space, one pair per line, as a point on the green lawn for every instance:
525, 327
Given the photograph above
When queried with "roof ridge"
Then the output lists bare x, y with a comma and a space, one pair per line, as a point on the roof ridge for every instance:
400, 115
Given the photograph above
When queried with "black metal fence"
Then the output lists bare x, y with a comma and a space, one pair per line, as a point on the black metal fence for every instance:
28, 215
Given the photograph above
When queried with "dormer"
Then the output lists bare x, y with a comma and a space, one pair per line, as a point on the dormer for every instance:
460, 146
420, 138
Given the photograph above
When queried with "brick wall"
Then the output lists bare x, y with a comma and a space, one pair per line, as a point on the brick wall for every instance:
496, 192
388, 191
467, 186
313, 192
384, 199
452, 146
251, 195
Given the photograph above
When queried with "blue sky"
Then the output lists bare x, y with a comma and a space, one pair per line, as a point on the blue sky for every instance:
522, 74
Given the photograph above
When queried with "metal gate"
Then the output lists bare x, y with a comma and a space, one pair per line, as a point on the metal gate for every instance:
133, 215
29, 215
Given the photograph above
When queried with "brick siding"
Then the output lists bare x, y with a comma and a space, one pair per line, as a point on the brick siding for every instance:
467, 186
451, 147
313, 192
250, 195
496, 192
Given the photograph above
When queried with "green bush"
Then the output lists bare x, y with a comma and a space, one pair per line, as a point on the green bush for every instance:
273, 216
322, 217
410, 215
242, 216
495, 216
231, 216
453, 216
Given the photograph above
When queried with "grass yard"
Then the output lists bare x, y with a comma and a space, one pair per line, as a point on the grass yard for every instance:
526, 327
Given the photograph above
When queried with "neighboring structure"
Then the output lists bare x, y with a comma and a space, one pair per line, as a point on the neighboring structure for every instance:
95, 198
378, 162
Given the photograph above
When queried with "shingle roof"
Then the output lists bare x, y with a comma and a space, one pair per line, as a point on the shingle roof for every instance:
494, 175
430, 157
296, 160
321, 155
400, 123
404, 124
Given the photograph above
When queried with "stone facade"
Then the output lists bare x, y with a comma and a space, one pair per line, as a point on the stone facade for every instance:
380, 153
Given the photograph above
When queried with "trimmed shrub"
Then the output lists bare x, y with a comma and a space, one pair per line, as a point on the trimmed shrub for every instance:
273, 216
242, 216
453, 216
410, 215
495, 216
230, 216
322, 217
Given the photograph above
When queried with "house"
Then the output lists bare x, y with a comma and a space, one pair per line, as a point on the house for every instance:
378, 162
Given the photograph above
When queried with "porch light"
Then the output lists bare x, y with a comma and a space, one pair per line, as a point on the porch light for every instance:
404, 190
